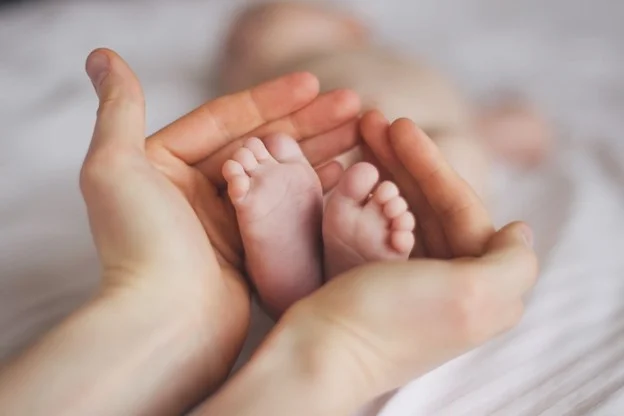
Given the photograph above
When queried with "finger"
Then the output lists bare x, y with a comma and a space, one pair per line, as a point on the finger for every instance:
329, 145
322, 118
461, 213
330, 175
120, 120
375, 130
510, 261
325, 113
213, 125
435, 242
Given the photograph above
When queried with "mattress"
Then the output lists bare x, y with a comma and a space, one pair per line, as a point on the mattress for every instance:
566, 357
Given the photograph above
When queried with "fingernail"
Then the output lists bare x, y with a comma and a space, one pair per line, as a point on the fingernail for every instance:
98, 66
527, 235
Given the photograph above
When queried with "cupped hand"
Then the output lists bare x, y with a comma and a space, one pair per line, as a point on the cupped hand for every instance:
377, 327
451, 220
158, 216
392, 322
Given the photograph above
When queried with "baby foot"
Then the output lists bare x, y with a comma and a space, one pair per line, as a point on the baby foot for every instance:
278, 201
363, 224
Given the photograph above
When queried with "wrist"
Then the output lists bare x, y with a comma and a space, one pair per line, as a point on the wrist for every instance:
190, 322
302, 368
132, 349
192, 308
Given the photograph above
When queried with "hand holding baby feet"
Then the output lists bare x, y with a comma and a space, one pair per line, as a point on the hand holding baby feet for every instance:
452, 220
365, 222
278, 200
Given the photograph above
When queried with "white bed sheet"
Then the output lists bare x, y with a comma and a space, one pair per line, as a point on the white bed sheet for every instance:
566, 358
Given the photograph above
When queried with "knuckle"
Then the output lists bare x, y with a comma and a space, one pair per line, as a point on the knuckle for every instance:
92, 177
91, 173
119, 101
100, 168
110, 102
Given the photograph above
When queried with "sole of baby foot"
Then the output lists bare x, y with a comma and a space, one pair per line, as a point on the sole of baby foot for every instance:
365, 222
278, 201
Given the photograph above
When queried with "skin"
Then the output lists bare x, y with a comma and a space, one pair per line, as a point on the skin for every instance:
279, 206
377, 327
173, 307
452, 221
169, 248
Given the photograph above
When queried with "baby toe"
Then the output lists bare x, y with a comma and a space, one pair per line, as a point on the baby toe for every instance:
259, 150
284, 148
403, 242
385, 192
404, 222
232, 169
358, 182
238, 187
395, 207
246, 158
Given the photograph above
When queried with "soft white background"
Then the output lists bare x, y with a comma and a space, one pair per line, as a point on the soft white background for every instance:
566, 358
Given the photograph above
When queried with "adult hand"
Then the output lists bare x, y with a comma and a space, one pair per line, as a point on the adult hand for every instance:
452, 221
174, 217
377, 327
173, 308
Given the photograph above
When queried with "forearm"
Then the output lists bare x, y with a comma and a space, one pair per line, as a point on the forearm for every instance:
119, 354
298, 371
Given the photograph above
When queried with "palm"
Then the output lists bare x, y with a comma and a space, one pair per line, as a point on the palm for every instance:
451, 220
218, 225
191, 152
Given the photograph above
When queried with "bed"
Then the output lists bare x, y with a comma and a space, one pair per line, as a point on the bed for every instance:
566, 357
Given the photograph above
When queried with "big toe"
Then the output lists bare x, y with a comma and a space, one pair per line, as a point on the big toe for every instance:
284, 148
358, 182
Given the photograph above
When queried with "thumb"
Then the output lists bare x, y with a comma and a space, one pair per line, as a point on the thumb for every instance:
516, 235
112, 190
121, 114
510, 259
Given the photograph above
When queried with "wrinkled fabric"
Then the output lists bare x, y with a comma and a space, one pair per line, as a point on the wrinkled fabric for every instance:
567, 356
